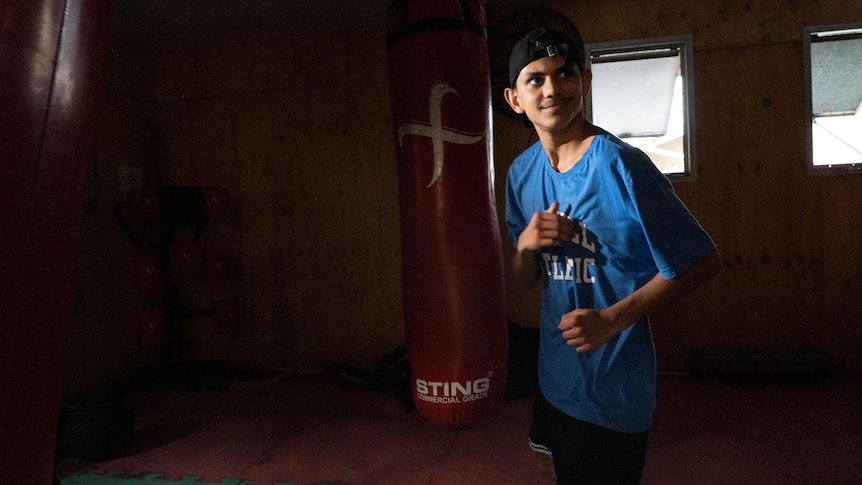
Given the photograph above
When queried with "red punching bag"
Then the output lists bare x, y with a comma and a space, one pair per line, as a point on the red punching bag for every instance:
51, 61
453, 280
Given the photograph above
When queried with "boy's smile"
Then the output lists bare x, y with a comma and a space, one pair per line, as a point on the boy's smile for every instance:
550, 93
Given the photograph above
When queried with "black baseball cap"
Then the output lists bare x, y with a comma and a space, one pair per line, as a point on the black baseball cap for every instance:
544, 42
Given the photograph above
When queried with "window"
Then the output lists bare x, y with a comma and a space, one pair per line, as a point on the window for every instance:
833, 88
643, 93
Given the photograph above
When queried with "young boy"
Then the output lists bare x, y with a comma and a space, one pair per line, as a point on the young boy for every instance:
600, 226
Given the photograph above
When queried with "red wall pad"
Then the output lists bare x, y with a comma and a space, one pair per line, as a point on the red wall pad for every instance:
149, 272
226, 316
186, 262
216, 267
145, 203
453, 280
216, 201
151, 328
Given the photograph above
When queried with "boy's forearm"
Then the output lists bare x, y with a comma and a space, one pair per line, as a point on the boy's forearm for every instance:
660, 292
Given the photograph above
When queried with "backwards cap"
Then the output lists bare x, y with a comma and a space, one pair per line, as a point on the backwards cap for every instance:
544, 42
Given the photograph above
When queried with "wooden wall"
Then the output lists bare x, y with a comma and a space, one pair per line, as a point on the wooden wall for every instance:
791, 276
303, 142
301, 136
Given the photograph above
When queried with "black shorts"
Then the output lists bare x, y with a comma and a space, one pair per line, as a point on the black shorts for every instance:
584, 453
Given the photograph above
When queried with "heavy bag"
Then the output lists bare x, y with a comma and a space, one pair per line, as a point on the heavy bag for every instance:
52, 60
452, 263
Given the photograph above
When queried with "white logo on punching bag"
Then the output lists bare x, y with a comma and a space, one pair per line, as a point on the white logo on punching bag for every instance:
434, 129
454, 392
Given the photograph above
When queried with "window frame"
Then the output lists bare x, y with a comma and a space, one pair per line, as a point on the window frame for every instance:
684, 44
841, 169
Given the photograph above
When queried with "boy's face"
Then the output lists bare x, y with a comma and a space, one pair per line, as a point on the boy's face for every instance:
550, 93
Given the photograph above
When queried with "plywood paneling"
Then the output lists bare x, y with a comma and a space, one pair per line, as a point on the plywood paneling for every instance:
311, 170
298, 129
774, 224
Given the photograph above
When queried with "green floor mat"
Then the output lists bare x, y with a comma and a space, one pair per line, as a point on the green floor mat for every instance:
148, 479
114, 478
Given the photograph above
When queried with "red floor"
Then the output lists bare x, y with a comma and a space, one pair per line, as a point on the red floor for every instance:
306, 430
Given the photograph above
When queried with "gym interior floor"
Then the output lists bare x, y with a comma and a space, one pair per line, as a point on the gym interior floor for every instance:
322, 428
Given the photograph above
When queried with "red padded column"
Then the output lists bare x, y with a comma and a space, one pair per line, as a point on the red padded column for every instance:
454, 308
51, 61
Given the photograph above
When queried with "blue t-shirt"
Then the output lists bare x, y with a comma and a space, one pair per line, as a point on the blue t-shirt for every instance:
632, 226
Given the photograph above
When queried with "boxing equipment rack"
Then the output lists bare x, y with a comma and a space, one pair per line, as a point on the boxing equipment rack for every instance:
170, 261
